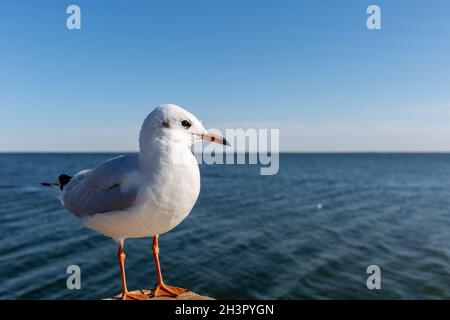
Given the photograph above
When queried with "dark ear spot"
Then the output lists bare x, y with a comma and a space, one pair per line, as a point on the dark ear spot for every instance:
166, 124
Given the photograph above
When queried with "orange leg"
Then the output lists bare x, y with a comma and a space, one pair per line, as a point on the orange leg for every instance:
161, 288
125, 294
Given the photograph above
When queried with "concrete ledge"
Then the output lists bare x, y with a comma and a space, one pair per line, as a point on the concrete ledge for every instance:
185, 296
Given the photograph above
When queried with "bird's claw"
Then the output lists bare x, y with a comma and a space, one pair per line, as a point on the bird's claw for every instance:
134, 296
164, 290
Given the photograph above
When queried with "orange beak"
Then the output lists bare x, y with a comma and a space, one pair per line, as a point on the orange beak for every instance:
214, 138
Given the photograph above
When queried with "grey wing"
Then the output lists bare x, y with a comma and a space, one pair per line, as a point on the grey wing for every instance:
100, 190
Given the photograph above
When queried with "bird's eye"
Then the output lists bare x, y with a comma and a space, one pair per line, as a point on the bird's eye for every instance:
185, 124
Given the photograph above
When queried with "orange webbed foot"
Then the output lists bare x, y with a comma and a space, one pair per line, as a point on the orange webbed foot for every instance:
164, 290
134, 296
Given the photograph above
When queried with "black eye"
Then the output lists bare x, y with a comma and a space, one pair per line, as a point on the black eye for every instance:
186, 124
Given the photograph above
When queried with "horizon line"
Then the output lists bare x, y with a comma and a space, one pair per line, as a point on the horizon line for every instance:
246, 152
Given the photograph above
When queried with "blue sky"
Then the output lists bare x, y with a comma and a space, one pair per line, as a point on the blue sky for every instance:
310, 68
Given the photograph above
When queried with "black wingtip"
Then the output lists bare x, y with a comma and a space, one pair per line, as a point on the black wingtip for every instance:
51, 185
47, 184
63, 180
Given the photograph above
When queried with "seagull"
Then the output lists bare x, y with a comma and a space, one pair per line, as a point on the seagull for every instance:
142, 195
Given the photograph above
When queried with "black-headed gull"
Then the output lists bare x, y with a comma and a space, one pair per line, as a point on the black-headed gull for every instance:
143, 195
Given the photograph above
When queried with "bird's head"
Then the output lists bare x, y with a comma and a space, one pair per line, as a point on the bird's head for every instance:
175, 124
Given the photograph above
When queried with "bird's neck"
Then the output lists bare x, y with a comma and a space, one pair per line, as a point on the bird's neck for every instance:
159, 153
